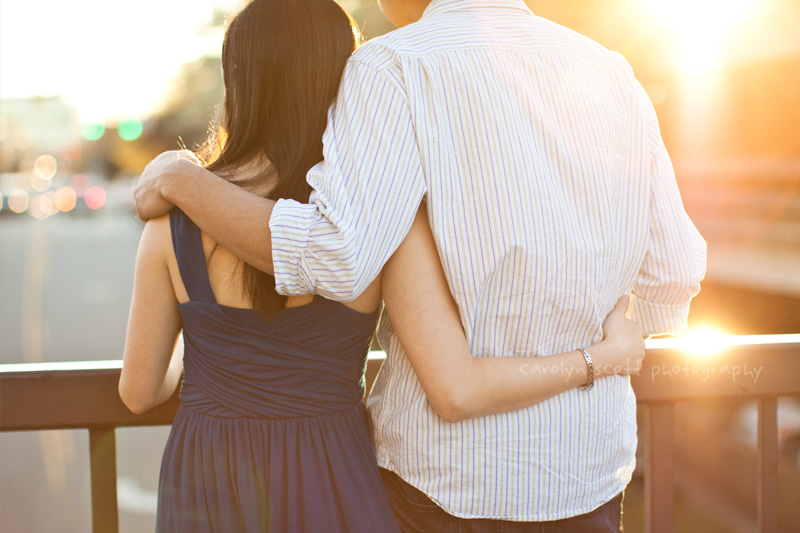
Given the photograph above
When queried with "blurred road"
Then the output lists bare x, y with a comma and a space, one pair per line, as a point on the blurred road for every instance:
66, 288
66, 285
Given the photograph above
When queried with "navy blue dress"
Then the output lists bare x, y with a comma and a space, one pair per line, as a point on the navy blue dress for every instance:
271, 434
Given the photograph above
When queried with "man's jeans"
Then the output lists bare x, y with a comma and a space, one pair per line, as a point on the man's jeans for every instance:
416, 513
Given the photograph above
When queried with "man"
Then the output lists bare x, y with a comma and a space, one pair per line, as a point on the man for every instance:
549, 193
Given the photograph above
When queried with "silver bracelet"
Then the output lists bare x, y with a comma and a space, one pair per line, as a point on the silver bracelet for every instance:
589, 368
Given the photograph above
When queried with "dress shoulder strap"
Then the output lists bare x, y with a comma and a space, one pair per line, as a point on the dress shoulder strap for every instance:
188, 244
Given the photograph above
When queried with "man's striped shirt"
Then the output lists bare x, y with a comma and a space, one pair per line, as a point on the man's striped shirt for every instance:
550, 194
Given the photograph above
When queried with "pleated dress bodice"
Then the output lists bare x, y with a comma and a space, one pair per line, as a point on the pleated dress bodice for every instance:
272, 433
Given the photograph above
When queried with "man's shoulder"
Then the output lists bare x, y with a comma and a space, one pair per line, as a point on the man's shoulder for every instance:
384, 50
425, 37
551, 34
534, 36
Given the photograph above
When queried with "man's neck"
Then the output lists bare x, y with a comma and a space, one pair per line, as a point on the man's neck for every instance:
404, 12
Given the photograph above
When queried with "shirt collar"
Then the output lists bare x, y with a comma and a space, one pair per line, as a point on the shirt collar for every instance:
443, 6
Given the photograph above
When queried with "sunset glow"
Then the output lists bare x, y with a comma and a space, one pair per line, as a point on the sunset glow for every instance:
111, 61
707, 341
704, 342
700, 27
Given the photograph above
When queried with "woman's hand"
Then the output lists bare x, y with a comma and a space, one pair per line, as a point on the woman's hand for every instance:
458, 386
625, 341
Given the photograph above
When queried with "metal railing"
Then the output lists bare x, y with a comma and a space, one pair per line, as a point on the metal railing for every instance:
84, 395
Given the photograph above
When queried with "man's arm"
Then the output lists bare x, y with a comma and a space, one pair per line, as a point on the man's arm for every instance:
676, 256
365, 192
227, 213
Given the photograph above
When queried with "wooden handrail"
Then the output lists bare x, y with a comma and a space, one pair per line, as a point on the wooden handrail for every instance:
84, 395
71, 396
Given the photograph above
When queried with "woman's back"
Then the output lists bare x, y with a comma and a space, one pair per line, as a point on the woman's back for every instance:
271, 433
225, 272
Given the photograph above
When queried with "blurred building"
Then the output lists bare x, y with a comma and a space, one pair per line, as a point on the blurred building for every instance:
45, 124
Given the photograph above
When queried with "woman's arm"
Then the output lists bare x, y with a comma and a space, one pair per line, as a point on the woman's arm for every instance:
460, 386
150, 373
227, 213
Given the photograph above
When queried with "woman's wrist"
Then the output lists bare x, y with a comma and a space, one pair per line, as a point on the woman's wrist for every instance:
601, 353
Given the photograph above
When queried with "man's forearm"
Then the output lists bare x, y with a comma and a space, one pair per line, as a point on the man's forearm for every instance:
236, 219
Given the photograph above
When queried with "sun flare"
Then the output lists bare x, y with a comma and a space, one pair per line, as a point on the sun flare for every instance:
700, 27
704, 342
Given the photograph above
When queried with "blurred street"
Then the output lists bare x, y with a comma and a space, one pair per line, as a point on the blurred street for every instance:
66, 287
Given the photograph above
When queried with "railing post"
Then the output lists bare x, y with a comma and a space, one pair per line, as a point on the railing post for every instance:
767, 465
103, 459
659, 477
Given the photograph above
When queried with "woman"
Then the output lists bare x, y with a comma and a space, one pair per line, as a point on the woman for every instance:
272, 433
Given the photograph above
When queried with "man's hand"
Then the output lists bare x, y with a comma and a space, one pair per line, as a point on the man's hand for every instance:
149, 194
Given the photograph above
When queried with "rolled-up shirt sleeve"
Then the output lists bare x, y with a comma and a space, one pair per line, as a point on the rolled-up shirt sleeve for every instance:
365, 192
675, 262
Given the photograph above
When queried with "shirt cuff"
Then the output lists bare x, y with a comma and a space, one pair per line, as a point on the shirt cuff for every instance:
289, 226
659, 319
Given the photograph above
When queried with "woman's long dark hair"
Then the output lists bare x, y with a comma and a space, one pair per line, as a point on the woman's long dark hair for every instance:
282, 61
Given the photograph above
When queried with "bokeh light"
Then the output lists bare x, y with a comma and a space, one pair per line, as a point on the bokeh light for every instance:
45, 166
39, 184
80, 182
66, 198
43, 206
93, 131
95, 197
49, 201
73, 151
130, 130
18, 200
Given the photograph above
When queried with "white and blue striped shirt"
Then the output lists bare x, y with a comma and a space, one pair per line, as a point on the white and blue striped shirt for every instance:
550, 194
